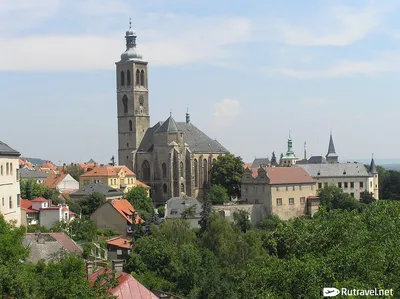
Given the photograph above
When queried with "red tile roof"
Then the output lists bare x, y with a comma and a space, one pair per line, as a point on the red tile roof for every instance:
247, 165
48, 165
128, 287
139, 183
53, 180
40, 199
88, 167
108, 171
120, 242
286, 175
125, 208
27, 206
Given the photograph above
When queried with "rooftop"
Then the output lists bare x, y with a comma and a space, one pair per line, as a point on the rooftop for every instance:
125, 208
108, 171
5, 150
53, 180
286, 175
99, 188
179, 204
335, 170
120, 242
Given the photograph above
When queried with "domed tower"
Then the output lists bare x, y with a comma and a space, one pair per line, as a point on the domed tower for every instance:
132, 100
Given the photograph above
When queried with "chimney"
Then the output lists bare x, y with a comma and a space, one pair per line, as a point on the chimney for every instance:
118, 266
89, 269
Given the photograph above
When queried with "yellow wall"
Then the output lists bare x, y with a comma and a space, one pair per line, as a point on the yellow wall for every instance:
117, 182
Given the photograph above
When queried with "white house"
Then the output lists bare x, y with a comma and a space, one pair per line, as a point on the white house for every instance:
9, 184
61, 182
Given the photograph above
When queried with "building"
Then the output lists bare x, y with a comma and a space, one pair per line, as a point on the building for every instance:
173, 158
117, 214
119, 248
283, 191
175, 206
48, 167
9, 184
108, 192
49, 246
61, 182
41, 211
117, 177
289, 158
331, 156
32, 174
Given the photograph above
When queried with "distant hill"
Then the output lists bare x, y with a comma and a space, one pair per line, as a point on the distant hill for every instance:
35, 161
391, 166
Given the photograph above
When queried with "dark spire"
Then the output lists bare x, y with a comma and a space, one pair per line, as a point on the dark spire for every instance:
331, 156
372, 167
187, 116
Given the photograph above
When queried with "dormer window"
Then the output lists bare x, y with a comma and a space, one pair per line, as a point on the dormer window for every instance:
319, 173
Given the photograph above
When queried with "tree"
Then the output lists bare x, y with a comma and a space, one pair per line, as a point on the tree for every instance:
75, 170
205, 215
217, 194
273, 159
367, 197
139, 199
161, 211
241, 220
333, 197
31, 189
189, 212
91, 203
227, 171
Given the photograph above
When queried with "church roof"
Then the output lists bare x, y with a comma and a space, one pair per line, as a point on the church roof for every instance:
260, 161
331, 148
5, 150
197, 140
169, 125
335, 170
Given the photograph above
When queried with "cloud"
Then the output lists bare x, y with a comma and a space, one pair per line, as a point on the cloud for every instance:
341, 26
315, 102
226, 111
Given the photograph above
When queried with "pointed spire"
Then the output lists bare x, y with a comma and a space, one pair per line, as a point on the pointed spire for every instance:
331, 156
187, 116
372, 167
130, 52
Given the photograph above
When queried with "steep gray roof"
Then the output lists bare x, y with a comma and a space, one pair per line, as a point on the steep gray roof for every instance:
331, 148
5, 150
260, 161
91, 161
179, 204
32, 174
317, 160
97, 187
335, 170
169, 125
372, 167
198, 141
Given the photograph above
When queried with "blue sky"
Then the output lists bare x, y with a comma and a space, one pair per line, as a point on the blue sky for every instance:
249, 71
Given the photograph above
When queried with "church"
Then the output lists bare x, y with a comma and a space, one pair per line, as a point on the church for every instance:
173, 158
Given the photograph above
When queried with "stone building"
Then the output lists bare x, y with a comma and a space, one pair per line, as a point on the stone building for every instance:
173, 158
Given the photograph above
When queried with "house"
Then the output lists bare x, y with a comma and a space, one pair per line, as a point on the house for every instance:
118, 248
175, 206
25, 164
117, 177
32, 174
109, 192
9, 184
117, 214
41, 211
61, 182
127, 286
49, 246
283, 191
48, 167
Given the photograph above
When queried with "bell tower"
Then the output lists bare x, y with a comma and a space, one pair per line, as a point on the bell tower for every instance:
132, 100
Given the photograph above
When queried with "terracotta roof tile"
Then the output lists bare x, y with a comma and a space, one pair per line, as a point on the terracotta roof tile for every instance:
286, 175
125, 208
247, 165
40, 199
108, 171
139, 183
53, 180
120, 242
49, 165
27, 206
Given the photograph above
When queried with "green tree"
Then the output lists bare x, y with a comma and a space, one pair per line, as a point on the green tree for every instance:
189, 212
218, 194
140, 200
31, 189
367, 197
241, 220
227, 171
270, 222
333, 197
161, 211
75, 170
205, 215
91, 203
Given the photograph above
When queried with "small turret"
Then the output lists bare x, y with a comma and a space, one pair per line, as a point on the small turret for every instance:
372, 167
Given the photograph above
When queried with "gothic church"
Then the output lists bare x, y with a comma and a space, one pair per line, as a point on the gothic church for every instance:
173, 158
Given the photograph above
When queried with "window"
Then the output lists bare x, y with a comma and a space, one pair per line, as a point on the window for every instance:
287, 188
165, 188
125, 103
18, 200
10, 202
196, 173
352, 194
182, 187
137, 77
130, 125
8, 169
279, 201
370, 184
1, 170
66, 216
312, 187
361, 184
302, 200
128, 78
2, 201
129, 251
291, 201
351, 184
122, 78
340, 184
205, 171
294, 188
277, 188
119, 251
181, 168
141, 100
174, 212
346, 185
300, 187
319, 185
256, 201
164, 170
146, 171
17, 174
11, 169
142, 78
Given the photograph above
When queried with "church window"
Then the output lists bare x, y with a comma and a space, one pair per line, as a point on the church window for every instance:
142, 78
205, 171
181, 168
146, 170
130, 125
196, 174
137, 77
125, 103
122, 78
165, 188
141, 100
182, 187
128, 78
164, 170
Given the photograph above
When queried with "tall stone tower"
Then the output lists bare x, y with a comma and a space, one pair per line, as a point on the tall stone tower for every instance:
132, 101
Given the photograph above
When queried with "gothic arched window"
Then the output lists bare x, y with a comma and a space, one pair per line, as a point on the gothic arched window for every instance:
128, 78
196, 174
205, 170
142, 78
137, 77
125, 103
165, 188
122, 78
130, 125
181, 168
164, 170
146, 170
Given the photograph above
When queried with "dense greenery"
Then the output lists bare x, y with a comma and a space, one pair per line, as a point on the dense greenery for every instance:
346, 244
217, 194
140, 200
389, 184
31, 189
57, 280
227, 171
91, 203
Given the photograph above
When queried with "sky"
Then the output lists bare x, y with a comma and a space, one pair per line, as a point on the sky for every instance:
248, 71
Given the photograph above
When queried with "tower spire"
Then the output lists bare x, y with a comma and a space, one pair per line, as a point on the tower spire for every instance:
372, 167
331, 156
130, 52
187, 115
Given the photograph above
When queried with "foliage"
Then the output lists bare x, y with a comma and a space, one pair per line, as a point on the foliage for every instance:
189, 212
227, 171
161, 211
31, 189
205, 215
79, 229
269, 223
390, 182
140, 200
367, 197
241, 220
333, 197
217, 194
75, 170
91, 203
33, 228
